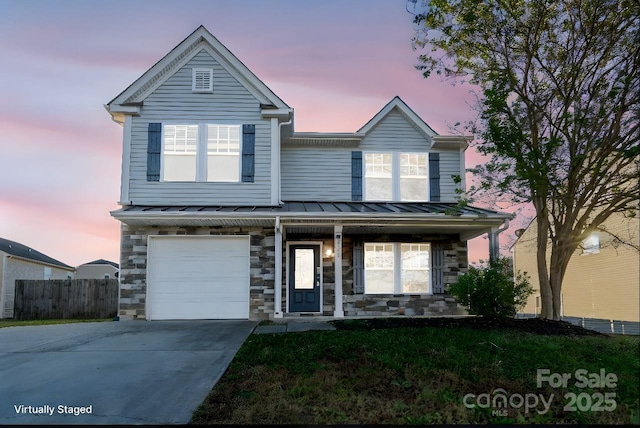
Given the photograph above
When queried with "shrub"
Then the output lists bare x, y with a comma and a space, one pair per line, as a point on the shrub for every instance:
491, 291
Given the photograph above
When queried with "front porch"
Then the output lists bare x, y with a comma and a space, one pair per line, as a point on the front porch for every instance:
354, 259
341, 285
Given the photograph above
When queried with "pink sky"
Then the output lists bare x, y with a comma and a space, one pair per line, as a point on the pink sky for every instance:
336, 62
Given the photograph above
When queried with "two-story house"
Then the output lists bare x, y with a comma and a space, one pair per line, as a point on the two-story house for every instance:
227, 212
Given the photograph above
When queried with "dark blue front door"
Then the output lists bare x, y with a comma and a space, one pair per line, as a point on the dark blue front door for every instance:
304, 278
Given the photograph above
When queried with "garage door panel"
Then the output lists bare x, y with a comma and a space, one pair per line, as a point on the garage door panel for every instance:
198, 278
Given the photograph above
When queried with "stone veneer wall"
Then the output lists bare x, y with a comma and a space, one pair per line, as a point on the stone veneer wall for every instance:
455, 259
456, 263
133, 266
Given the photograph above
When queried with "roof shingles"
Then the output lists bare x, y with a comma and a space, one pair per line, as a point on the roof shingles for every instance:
19, 250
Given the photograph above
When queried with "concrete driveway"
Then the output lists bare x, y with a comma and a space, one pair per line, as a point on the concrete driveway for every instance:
128, 372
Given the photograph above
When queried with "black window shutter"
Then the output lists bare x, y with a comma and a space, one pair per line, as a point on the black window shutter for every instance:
154, 149
356, 176
437, 268
434, 177
248, 153
358, 268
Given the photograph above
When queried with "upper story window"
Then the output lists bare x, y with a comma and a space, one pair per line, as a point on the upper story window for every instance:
591, 245
201, 152
202, 80
395, 176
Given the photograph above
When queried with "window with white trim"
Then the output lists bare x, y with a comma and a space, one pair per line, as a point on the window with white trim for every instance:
397, 268
47, 273
413, 177
223, 153
395, 176
378, 268
201, 152
202, 80
591, 245
415, 268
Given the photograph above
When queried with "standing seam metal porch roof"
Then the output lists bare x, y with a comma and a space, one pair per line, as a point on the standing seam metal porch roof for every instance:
292, 207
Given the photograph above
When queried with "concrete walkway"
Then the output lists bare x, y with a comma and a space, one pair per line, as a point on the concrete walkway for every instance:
127, 372
293, 326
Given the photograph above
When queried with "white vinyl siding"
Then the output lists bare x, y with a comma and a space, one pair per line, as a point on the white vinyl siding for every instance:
174, 102
449, 166
316, 174
324, 173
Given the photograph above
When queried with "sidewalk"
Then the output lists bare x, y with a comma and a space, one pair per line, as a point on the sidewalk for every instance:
292, 326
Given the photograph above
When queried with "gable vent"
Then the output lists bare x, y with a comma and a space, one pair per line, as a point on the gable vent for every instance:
202, 80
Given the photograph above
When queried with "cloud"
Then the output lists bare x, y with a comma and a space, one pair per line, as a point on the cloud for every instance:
337, 63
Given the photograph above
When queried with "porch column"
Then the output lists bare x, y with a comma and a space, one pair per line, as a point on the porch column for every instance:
277, 298
338, 311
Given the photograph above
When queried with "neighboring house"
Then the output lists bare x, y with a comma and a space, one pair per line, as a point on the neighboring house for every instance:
603, 276
98, 269
18, 261
227, 212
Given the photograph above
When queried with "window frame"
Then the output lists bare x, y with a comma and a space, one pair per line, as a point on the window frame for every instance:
202, 151
398, 269
395, 175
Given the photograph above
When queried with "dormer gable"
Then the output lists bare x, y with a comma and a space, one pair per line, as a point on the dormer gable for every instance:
401, 107
131, 99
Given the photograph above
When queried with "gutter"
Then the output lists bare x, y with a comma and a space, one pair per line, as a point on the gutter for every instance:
63, 267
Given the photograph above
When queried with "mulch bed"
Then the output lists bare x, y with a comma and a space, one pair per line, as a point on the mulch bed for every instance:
528, 325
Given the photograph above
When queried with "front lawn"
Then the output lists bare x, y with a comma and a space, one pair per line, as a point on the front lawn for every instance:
384, 373
18, 323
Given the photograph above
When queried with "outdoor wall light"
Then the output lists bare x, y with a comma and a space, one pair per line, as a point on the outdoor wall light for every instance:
328, 252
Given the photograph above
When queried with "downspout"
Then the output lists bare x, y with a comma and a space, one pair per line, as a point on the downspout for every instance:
280, 155
277, 298
494, 242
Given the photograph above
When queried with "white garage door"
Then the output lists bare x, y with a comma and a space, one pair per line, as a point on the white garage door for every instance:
198, 277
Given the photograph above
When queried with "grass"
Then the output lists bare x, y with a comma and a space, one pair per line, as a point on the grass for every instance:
414, 376
19, 323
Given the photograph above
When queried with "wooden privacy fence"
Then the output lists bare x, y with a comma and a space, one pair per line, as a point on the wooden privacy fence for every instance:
65, 298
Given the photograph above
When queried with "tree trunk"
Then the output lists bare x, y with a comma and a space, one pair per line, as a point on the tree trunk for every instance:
546, 297
561, 253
